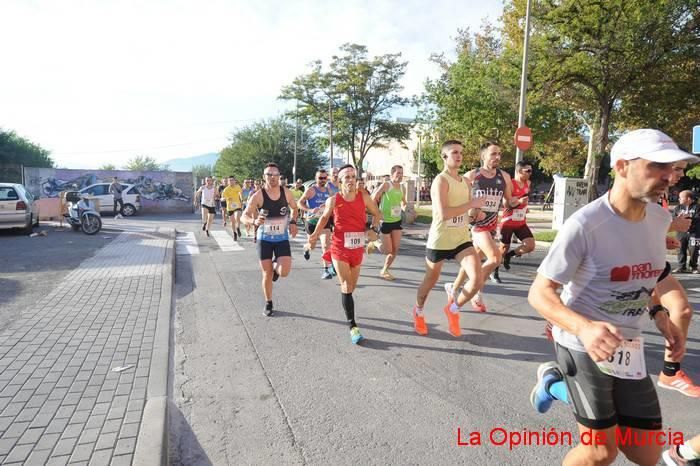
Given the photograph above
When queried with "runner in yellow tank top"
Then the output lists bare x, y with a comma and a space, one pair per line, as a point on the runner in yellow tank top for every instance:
449, 238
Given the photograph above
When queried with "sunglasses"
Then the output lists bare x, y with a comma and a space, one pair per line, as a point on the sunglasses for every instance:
322, 177
529, 170
272, 175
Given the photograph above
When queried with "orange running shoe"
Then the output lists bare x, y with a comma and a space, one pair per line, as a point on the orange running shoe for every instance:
453, 322
419, 323
478, 303
680, 382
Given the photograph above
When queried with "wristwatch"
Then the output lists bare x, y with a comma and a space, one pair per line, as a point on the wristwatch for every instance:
656, 309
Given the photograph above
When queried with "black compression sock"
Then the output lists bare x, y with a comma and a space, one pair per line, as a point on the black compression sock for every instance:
349, 308
511, 253
670, 368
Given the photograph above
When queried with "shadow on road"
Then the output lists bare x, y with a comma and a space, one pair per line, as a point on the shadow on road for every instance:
184, 447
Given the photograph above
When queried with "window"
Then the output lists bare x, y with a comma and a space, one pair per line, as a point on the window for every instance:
133, 190
8, 194
97, 190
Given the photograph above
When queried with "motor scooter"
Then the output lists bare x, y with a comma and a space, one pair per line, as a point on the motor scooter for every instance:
82, 214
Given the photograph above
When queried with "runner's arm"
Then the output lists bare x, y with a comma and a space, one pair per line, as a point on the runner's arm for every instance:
440, 198
292, 205
379, 192
323, 220
304, 200
371, 205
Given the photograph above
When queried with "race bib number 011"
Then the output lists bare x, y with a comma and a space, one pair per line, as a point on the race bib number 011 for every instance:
456, 222
354, 239
275, 227
627, 362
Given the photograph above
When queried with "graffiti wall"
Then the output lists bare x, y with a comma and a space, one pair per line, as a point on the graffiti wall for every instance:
160, 191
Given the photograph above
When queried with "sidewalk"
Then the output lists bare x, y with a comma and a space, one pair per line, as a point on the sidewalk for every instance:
62, 397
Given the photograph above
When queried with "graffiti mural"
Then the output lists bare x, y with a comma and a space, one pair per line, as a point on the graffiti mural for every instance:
160, 190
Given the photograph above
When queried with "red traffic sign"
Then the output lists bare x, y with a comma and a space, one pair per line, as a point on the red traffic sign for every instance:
523, 138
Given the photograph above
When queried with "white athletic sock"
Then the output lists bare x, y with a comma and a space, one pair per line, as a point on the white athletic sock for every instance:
418, 310
687, 452
454, 308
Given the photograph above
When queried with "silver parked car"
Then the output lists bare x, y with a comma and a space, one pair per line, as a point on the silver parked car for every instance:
18, 208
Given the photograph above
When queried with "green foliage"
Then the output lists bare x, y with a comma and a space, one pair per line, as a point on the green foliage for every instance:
201, 171
270, 141
15, 149
144, 163
361, 91
545, 235
693, 172
107, 166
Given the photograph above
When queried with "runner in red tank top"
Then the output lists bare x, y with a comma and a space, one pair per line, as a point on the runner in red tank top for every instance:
347, 207
514, 220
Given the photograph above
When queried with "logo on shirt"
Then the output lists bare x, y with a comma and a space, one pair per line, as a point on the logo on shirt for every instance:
629, 304
626, 273
283, 211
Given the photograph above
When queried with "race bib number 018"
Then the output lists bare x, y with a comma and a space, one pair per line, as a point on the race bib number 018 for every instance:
354, 239
627, 362
456, 222
275, 227
519, 215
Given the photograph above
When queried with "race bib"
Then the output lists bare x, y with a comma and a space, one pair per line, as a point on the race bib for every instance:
694, 241
396, 211
627, 362
456, 222
234, 205
519, 215
275, 227
354, 239
492, 203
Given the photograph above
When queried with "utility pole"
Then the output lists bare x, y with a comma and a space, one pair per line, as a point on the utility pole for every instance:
420, 136
330, 118
523, 80
296, 130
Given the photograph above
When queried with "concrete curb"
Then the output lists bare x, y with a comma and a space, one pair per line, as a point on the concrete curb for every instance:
152, 441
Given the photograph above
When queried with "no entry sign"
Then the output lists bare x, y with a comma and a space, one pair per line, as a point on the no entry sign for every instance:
523, 138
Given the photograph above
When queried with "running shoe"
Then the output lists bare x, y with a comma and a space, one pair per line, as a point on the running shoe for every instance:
332, 269
326, 274
547, 374
495, 278
451, 295
235, 236
386, 275
672, 458
680, 270
419, 323
355, 336
680, 382
506, 261
371, 248
224, 225
204, 226
307, 254
207, 232
695, 271
478, 303
275, 275
268, 311
453, 322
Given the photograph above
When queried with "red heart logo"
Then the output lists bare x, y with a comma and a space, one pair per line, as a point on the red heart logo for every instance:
620, 274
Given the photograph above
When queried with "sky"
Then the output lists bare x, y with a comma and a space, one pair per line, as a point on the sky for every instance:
100, 81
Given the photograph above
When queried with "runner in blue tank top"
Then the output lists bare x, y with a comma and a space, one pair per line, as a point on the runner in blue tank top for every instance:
312, 203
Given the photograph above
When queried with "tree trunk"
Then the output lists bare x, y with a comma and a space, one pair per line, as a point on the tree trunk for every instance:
600, 145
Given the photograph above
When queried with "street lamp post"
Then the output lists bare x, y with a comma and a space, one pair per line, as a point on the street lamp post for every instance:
330, 119
420, 136
523, 80
296, 130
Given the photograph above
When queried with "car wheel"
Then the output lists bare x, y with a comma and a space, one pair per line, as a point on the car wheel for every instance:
128, 210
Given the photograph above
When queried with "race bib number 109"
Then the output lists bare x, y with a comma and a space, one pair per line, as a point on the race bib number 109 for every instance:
354, 240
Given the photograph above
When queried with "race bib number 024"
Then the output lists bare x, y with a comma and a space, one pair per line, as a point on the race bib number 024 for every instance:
354, 239
627, 362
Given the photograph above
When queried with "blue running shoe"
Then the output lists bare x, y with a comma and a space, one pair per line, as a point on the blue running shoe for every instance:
326, 274
547, 374
355, 336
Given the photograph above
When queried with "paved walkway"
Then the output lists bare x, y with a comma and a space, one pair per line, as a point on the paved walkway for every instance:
63, 397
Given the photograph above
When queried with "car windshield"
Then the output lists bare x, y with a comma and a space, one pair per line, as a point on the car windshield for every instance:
8, 194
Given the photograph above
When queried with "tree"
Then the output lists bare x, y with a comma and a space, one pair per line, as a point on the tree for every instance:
15, 149
201, 171
601, 57
272, 140
144, 163
107, 166
361, 92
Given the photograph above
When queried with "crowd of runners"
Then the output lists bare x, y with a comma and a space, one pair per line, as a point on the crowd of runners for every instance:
604, 272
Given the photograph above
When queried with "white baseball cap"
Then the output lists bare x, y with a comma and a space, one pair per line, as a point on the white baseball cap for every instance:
648, 144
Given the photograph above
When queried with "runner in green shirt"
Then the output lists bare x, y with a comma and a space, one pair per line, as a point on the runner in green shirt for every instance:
391, 198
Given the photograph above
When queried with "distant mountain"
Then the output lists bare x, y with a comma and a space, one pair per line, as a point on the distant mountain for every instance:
185, 164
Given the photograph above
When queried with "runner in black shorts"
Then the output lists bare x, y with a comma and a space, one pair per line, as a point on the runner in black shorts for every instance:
514, 221
608, 256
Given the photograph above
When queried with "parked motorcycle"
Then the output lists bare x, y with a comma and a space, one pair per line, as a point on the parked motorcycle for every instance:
82, 214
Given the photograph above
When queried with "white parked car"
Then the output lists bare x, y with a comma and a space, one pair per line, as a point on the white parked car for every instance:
18, 208
130, 196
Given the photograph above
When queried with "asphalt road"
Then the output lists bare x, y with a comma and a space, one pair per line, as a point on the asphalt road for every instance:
292, 389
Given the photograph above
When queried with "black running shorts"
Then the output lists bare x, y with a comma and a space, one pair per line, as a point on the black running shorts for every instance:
211, 210
387, 228
601, 401
439, 255
522, 233
231, 212
268, 249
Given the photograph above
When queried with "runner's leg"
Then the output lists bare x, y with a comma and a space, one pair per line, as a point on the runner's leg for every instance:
470, 263
593, 454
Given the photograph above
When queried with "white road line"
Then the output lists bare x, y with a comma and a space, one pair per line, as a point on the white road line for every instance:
186, 244
225, 241
697, 290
